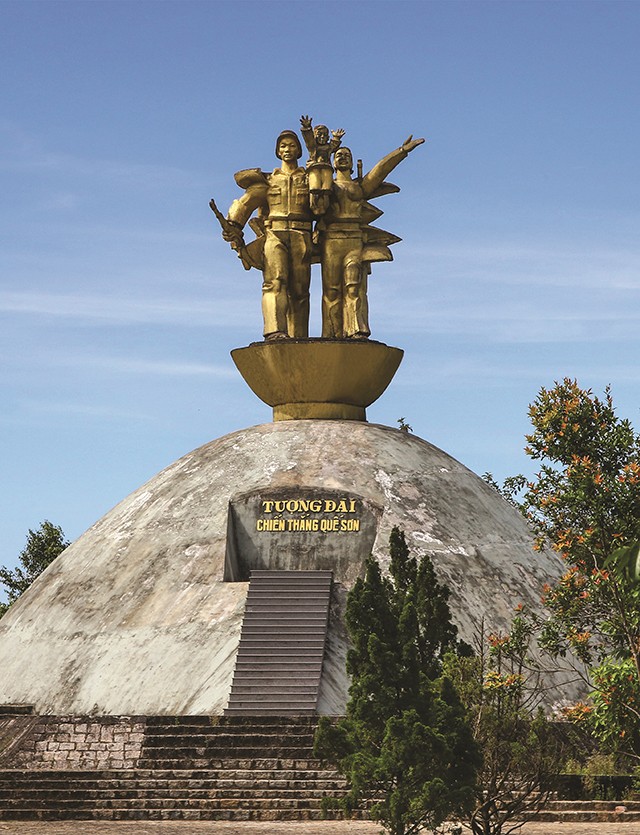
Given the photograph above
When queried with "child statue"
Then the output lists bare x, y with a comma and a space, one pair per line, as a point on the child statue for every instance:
319, 168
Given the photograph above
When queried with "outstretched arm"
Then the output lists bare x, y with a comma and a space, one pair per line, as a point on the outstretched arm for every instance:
380, 170
336, 139
307, 133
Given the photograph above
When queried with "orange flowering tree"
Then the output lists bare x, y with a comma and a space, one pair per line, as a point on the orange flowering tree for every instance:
585, 503
502, 687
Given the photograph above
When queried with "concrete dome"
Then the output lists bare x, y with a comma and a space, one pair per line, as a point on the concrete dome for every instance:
142, 614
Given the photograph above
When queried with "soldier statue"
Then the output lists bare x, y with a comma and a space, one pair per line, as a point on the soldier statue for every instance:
286, 243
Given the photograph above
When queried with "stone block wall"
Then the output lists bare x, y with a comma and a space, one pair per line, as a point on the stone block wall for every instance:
82, 742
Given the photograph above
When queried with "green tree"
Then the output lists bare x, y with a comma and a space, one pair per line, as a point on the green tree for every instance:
404, 744
585, 503
41, 549
502, 688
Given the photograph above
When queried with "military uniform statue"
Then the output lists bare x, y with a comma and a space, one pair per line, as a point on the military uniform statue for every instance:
283, 247
349, 244
343, 240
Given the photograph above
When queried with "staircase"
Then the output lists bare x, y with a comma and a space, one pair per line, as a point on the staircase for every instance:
190, 769
279, 662
236, 768
192, 742
585, 811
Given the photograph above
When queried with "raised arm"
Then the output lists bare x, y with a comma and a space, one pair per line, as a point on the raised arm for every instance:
380, 170
307, 133
336, 139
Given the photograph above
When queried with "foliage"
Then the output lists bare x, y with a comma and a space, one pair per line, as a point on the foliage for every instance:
585, 503
510, 489
585, 500
42, 547
501, 687
405, 744
403, 425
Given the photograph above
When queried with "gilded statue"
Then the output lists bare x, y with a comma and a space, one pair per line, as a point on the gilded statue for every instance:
349, 244
287, 202
319, 168
283, 248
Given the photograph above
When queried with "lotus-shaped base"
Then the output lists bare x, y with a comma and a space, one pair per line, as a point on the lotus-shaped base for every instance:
323, 379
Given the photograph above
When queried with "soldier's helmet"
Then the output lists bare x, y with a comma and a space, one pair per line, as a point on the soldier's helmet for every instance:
288, 134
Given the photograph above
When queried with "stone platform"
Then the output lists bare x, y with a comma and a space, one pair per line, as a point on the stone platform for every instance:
142, 614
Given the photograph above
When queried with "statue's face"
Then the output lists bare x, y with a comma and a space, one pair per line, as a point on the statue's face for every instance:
288, 149
342, 160
322, 134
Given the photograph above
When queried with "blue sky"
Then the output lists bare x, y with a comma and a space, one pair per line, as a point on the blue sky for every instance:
119, 302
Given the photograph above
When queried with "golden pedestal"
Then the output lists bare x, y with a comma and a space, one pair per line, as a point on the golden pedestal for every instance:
322, 379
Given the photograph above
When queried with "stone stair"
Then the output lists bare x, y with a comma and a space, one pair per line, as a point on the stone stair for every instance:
584, 811
189, 769
191, 742
218, 768
228, 794
279, 661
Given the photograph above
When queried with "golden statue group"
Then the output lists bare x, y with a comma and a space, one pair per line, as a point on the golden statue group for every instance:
317, 214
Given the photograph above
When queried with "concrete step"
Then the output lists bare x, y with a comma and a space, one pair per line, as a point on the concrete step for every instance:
285, 621
174, 814
164, 778
228, 745
222, 722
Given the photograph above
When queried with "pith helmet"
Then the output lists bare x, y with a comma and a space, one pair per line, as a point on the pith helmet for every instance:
289, 134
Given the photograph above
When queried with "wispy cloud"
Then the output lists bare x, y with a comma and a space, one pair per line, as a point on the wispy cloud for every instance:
558, 320
38, 409
59, 201
120, 310
576, 265
126, 365
21, 151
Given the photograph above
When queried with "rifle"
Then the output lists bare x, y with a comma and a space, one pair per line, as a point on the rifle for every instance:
237, 242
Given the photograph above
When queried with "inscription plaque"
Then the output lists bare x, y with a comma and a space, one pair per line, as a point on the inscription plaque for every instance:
298, 530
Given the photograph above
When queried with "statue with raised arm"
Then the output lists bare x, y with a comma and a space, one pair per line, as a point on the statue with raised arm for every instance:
304, 216
282, 248
319, 168
349, 244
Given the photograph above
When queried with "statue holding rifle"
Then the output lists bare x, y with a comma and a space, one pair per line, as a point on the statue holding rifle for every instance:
282, 249
287, 202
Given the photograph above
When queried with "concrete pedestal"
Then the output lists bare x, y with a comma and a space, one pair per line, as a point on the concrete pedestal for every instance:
318, 379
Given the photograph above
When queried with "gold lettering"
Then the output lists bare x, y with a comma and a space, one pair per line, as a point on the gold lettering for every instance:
329, 506
270, 525
315, 505
304, 505
279, 506
267, 506
342, 506
352, 508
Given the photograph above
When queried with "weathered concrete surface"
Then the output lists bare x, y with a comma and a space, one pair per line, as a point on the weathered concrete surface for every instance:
135, 618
